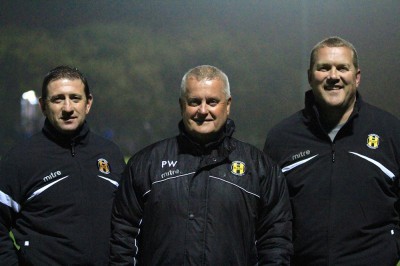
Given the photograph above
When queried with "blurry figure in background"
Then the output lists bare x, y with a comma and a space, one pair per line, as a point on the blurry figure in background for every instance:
202, 197
341, 159
57, 188
30, 114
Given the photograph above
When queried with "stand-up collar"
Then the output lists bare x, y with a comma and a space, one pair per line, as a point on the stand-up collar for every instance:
80, 136
193, 146
312, 112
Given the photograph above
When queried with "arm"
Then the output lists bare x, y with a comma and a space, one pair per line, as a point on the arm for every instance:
8, 209
125, 222
274, 225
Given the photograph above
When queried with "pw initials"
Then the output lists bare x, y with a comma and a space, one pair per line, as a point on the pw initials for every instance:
169, 163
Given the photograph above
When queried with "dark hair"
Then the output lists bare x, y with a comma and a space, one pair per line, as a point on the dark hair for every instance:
61, 72
333, 41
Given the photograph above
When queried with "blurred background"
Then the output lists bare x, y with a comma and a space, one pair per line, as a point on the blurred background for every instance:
135, 53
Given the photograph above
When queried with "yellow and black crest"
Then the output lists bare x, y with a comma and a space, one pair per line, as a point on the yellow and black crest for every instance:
238, 168
373, 141
103, 166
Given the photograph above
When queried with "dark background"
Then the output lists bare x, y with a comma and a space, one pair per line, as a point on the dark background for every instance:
135, 53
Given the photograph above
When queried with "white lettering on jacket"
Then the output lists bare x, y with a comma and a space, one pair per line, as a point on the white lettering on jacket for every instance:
51, 176
169, 163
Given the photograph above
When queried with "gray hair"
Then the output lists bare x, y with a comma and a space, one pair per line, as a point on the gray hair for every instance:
333, 42
205, 72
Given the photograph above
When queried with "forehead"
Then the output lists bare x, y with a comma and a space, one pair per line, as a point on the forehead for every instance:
67, 86
334, 54
196, 87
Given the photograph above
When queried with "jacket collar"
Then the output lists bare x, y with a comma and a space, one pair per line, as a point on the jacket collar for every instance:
79, 137
222, 143
311, 112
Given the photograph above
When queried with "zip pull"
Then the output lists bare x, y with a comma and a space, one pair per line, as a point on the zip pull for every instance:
73, 149
333, 152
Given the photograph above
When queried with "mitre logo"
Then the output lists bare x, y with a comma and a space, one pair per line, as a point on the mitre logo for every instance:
103, 166
238, 168
51, 176
373, 141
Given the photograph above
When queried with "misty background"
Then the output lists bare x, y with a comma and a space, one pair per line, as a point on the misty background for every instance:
134, 54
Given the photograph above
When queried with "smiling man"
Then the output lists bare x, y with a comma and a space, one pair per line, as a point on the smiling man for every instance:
341, 160
57, 188
202, 197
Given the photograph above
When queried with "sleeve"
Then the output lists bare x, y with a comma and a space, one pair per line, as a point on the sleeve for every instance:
8, 209
125, 222
269, 147
274, 225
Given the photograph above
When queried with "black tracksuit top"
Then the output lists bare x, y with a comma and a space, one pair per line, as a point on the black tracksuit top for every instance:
185, 204
56, 195
344, 193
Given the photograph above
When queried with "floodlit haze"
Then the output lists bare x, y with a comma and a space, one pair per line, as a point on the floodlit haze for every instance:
278, 36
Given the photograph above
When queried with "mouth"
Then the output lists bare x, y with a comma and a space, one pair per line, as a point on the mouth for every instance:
332, 87
67, 118
201, 121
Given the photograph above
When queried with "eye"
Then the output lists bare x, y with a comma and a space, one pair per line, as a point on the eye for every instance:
343, 68
323, 68
194, 102
76, 98
212, 102
57, 99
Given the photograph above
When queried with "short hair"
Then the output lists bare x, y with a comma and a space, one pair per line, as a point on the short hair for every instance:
61, 72
333, 41
205, 72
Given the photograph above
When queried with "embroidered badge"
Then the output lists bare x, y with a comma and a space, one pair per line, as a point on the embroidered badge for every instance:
373, 141
238, 168
103, 166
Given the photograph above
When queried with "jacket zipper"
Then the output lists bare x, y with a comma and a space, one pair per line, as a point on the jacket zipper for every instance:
73, 148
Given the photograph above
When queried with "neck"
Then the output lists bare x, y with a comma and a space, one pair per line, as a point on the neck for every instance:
331, 117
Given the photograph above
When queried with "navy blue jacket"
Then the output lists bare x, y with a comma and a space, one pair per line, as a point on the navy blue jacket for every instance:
56, 195
344, 193
181, 203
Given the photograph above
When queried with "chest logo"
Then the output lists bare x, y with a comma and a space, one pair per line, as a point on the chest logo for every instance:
103, 166
373, 141
238, 168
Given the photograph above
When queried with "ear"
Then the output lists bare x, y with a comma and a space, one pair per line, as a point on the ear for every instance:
181, 104
309, 76
228, 105
358, 77
42, 104
89, 103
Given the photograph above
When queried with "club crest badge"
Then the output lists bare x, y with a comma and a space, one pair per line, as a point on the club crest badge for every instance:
103, 166
238, 168
373, 141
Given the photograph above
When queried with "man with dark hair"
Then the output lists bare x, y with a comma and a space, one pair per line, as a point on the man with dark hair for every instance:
202, 197
341, 159
57, 188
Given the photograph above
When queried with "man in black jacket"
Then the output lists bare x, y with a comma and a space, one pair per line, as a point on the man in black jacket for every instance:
341, 159
202, 197
57, 188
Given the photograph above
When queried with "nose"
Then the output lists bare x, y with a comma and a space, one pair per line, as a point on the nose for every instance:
333, 77
67, 107
202, 109
333, 73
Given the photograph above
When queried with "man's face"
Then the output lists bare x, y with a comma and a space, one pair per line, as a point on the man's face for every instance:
204, 108
334, 79
66, 105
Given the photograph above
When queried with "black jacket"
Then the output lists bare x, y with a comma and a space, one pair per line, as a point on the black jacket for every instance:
185, 204
56, 195
344, 193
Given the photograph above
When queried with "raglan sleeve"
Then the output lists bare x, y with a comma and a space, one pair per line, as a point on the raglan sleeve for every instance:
271, 145
126, 218
274, 224
9, 208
